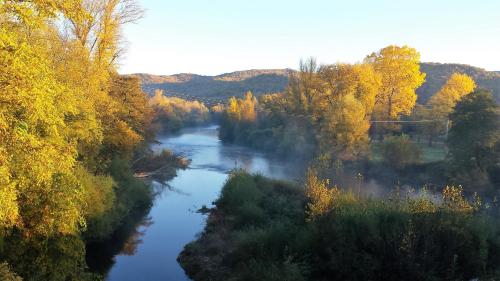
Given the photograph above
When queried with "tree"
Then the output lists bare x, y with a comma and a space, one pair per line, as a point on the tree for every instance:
55, 111
6, 273
172, 113
458, 86
132, 114
248, 106
475, 133
442, 103
239, 117
400, 73
399, 151
322, 198
343, 108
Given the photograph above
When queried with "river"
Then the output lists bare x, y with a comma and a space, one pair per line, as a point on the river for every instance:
173, 221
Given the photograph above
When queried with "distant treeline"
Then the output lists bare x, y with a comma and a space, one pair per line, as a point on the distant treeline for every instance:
172, 114
262, 81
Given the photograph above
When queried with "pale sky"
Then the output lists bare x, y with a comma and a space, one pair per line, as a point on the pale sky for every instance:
216, 36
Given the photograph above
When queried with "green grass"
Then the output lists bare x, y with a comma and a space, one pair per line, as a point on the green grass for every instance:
434, 153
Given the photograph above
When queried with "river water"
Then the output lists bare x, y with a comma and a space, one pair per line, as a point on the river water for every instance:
173, 221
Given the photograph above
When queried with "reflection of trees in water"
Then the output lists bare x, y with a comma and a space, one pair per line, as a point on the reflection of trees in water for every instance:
67, 257
159, 188
100, 254
134, 240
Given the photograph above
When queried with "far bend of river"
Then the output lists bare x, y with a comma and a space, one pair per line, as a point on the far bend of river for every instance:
173, 221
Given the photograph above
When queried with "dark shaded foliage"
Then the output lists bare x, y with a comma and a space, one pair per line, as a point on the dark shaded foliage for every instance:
258, 231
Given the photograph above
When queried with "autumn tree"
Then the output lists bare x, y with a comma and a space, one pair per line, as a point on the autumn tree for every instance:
322, 197
435, 112
240, 116
54, 107
172, 113
248, 107
455, 88
343, 108
400, 75
132, 114
38, 153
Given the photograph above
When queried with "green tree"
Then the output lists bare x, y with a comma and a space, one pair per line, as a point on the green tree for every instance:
399, 151
475, 133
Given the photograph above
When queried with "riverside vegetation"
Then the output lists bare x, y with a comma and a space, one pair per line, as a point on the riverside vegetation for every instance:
74, 152
263, 229
353, 116
71, 130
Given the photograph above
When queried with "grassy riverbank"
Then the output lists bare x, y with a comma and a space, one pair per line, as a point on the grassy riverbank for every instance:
263, 229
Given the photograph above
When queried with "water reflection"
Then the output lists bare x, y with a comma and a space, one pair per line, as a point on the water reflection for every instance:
135, 238
150, 251
147, 245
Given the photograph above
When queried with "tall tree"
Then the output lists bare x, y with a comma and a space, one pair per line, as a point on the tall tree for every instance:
49, 115
455, 88
248, 107
400, 73
344, 106
441, 104
475, 133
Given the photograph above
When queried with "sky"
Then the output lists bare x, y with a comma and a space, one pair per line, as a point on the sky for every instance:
211, 37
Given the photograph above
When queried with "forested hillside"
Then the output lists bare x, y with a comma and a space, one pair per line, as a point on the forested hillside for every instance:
224, 85
438, 73
260, 81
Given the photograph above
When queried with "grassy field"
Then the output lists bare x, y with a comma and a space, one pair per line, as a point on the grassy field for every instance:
433, 153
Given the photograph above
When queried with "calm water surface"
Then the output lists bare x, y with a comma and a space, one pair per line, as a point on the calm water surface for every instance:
173, 221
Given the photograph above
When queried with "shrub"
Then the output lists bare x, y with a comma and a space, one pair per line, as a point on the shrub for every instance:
7, 275
399, 151
404, 238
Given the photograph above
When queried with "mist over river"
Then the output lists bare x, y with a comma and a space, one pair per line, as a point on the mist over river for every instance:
173, 221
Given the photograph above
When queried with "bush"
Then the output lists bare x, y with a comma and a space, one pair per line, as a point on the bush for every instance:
7, 275
399, 151
412, 238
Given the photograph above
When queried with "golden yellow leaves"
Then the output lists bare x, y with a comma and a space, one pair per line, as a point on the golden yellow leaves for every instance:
55, 107
9, 210
457, 86
400, 73
242, 110
344, 105
322, 197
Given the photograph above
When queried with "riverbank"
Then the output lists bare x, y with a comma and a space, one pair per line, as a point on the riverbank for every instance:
89, 255
173, 220
262, 229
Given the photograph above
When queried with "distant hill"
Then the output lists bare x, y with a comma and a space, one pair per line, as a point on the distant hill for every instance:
211, 89
438, 73
217, 88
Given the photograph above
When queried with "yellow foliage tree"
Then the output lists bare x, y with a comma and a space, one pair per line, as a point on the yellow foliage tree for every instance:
442, 103
456, 87
400, 73
53, 91
343, 108
322, 198
248, 106
233, 109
